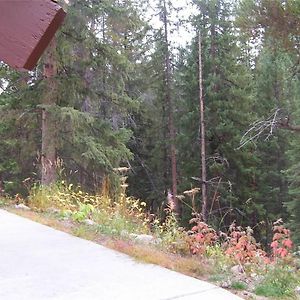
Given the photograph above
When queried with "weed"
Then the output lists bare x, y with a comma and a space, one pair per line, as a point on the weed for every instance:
218, 277
242, 247
192, 266
125, 214
115, 224
219, 260
201, 236
279, 282
238, 285
173, 238
282, 243
2, 202
85, 232
38, 198
84, 212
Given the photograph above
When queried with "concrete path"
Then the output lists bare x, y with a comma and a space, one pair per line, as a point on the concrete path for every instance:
38, 262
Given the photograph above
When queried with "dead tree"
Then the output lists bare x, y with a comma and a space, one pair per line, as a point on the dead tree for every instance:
202, 136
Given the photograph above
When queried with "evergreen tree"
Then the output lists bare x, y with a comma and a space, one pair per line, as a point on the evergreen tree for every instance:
277, 75
92, 104
228, 97
155, 144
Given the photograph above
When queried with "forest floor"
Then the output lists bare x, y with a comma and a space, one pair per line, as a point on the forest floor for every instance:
144, 252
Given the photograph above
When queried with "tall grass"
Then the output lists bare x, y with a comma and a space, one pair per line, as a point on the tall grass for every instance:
124, 215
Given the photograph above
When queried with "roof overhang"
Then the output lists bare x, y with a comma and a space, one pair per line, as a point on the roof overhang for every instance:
26, 29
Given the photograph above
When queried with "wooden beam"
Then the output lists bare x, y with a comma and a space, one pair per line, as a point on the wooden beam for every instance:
26, 29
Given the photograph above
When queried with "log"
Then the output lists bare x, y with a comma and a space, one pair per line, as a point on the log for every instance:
26, 29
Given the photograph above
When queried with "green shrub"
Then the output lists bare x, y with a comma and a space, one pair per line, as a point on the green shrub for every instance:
84, 212
172, 237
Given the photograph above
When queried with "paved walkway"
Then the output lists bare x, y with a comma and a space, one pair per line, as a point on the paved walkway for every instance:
38, 262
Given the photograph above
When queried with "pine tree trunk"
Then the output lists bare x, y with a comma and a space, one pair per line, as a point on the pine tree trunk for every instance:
48, 159
169, 103
202, 137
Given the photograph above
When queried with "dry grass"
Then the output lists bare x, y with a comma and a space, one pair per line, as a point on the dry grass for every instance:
47, 220
85, 232
147, 254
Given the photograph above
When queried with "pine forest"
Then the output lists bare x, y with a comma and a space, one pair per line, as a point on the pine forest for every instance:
192, 107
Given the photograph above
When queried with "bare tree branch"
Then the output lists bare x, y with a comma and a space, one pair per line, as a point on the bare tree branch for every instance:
277, 120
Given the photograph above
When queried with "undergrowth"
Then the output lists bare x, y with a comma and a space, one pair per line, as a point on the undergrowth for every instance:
279, 282
112, 217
